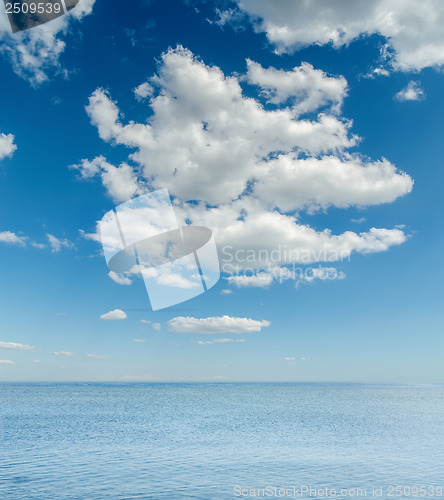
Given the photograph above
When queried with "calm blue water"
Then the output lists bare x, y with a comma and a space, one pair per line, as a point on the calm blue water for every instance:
173, 441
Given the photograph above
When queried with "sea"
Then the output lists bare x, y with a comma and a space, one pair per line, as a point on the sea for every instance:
100, 441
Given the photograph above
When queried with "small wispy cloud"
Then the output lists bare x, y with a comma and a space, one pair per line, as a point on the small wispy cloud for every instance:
6, 362
12, 238
218, 341
95, 356
65, 354
293, 360
156, 326
260, 280
57, 244
139, 340
13, 346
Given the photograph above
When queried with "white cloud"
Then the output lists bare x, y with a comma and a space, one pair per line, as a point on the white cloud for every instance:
12, 238
380, 72
291, 184
57, 244
139, 340
204, 137
96, 356
259, 280
156, 326
65, 354
251, 169
143, 91
6, 362
320, 273
91, 236
413, 32
218, 341
35, 53
119, 278
120, 182
266, 238
226, 292
293, 361
299, 275
413, 92
359, 221
145, 321
167, 277
7, 146
13, 346
215, 325
115, 315
306, 88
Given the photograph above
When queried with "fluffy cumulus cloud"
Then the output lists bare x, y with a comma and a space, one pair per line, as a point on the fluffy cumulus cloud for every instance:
306, 88
413, 31
115, 315
35, 53
245, 170
290, 183
215, 325
120, 182
413, 92
7, 146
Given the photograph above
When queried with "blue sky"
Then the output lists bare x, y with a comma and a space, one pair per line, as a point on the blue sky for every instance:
380, 321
